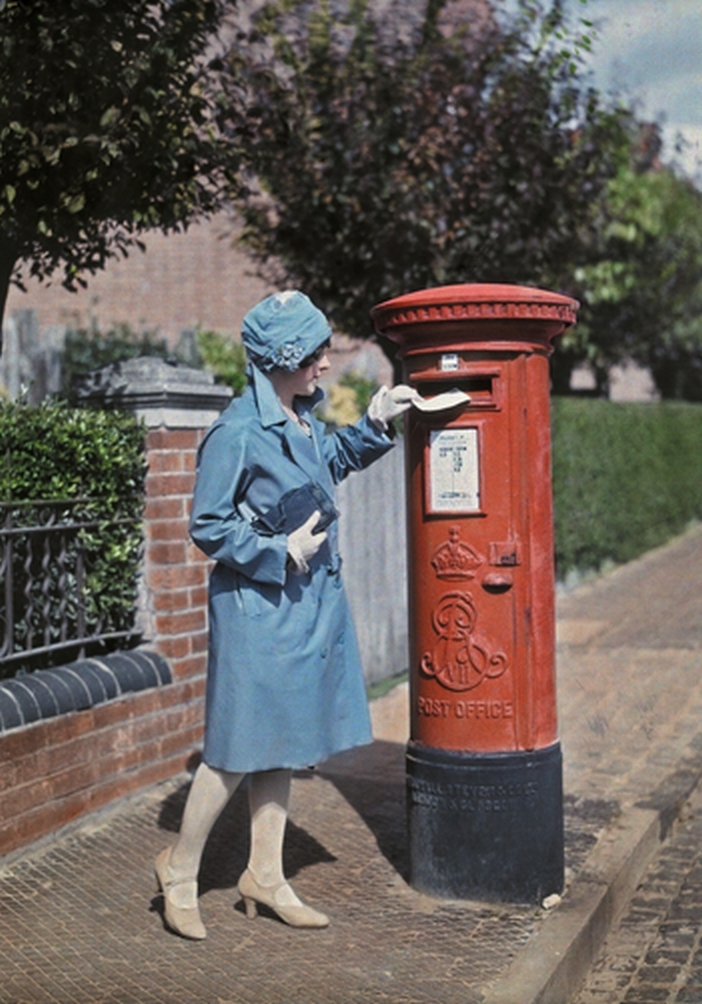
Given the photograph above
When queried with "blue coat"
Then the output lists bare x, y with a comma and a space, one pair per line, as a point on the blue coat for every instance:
284, 682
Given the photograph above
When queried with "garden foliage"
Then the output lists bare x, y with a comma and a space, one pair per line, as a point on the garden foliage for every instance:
224, 357
389, 147
91, 465
640, 281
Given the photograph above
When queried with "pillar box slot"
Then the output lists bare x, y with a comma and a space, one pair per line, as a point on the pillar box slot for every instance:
484, 767
479, 388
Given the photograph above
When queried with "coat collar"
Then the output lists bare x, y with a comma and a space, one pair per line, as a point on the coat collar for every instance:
269, 407
302, 449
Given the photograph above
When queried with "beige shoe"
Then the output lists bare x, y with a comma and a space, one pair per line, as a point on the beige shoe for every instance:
296, 916
183, 920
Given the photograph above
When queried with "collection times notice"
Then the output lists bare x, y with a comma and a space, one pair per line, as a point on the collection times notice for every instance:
454, 470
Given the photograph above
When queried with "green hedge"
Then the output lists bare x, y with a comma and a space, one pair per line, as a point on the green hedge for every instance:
626, 477
97, 460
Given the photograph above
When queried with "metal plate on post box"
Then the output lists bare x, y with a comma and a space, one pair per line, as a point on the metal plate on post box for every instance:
454, 470
449, 362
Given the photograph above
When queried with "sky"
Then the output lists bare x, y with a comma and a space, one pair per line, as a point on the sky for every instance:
650, 52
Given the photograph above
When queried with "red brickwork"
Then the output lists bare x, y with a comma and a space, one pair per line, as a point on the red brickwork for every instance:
193, 279
175, 571
54, 771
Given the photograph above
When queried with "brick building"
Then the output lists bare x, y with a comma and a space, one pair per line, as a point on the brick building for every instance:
185, 280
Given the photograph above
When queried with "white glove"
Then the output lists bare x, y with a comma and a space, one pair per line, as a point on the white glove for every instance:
303, 544
388, 404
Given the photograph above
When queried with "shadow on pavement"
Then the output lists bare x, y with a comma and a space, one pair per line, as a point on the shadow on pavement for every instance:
372, 780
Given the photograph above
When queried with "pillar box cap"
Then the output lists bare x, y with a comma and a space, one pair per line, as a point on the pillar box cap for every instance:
492, 314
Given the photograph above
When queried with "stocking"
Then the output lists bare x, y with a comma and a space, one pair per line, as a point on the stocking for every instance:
269, 794
210, 791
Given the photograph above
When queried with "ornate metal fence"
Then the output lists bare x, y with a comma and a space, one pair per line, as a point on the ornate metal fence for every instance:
51, 610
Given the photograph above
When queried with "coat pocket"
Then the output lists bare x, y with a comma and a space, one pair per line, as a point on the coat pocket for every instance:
258, 599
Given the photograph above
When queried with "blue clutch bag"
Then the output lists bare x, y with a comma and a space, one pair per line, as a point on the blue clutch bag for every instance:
295, 508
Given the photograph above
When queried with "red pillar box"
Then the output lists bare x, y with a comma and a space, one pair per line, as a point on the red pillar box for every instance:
484, 767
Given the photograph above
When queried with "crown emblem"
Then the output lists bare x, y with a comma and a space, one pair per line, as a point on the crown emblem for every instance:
454, 559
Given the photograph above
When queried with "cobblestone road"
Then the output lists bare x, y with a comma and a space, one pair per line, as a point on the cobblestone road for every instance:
654, 956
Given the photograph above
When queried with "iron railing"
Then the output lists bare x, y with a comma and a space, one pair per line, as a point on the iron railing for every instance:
48, 612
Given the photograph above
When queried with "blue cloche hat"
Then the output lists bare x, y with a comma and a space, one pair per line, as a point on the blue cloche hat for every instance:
282, 330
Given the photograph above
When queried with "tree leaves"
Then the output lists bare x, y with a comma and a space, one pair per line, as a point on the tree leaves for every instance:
380, 160
641, 280
107, 127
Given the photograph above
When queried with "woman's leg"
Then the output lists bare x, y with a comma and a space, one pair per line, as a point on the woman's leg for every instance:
177, 867
264, 880
269, 796
210, 791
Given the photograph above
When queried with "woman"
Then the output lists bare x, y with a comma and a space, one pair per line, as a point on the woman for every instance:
284, 684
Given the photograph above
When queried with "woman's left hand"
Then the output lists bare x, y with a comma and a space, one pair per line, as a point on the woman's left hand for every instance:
304, 543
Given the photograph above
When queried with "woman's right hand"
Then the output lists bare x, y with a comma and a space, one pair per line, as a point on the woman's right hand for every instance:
387, 404
303, 544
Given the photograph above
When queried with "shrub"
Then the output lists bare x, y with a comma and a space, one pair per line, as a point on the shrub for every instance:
626, 477
224, 357
93, 463
348, 399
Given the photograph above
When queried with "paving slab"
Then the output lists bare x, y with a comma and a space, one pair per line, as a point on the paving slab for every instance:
80, 920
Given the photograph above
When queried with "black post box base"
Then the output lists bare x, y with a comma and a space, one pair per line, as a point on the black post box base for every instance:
486, 826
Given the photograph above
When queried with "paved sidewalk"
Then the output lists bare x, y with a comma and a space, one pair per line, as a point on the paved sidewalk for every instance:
654, 954
80, 922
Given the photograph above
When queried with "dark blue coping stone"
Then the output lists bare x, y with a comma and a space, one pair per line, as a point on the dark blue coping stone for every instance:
98, 677
162, 668
69, 689
10, 713
79, 685
91, 685
128, 673
28, 704
43, 693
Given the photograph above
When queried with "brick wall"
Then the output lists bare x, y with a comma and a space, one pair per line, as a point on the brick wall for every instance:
175, 571
54, 771
197, 278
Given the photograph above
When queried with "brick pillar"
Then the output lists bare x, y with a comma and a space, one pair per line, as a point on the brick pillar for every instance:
177, 404
174, 586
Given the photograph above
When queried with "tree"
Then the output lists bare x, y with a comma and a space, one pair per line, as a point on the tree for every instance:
640, 283
391, 147
107, 129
